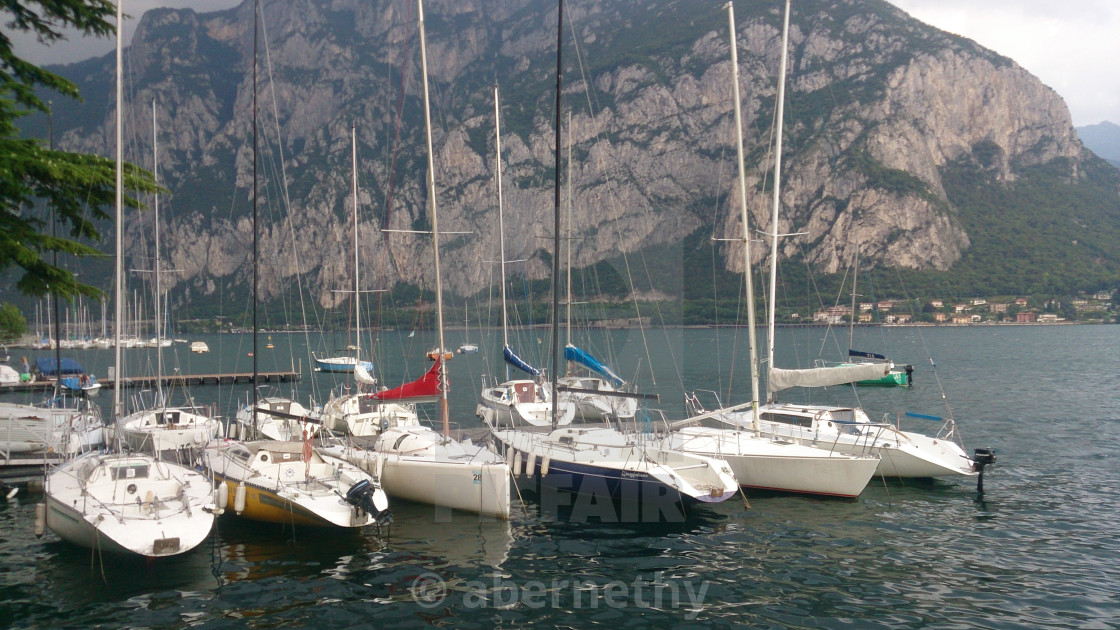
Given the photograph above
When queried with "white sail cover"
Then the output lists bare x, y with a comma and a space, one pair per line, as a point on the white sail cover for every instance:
824, 376
362, 375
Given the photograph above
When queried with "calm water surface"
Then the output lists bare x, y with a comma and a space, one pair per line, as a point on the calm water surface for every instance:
1038, 549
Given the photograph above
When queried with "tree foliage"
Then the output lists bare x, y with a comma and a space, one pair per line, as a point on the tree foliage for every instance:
12, 322
75, 186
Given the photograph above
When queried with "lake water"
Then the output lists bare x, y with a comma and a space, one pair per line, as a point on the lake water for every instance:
1038, 549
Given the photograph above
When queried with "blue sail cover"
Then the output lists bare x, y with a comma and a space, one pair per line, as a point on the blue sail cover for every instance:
573, 353
865, 355
516, 362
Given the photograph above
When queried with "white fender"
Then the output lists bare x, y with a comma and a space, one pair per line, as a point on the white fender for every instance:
545, 461
239, 499
530, 464
223, 495
379, 467
517, 464
509, 457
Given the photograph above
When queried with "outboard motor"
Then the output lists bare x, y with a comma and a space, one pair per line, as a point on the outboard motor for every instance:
370, 499
981, 457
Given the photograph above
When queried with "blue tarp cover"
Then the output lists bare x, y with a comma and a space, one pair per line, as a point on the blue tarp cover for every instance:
47, 366
573, 353
518, 363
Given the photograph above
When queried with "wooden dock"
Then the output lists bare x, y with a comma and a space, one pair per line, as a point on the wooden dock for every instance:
228, 378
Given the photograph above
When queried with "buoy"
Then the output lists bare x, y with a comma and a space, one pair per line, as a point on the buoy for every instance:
530, 464
545, 461
517, 464
223, 495
40, 519
239, 499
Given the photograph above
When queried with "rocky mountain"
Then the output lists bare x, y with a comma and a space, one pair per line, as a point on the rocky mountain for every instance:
882, 110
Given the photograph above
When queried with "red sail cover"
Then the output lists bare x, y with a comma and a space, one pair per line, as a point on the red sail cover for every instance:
426, 387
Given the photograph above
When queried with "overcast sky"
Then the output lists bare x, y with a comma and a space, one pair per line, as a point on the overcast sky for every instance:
1073, 46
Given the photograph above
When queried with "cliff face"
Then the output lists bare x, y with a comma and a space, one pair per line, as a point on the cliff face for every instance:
877, 105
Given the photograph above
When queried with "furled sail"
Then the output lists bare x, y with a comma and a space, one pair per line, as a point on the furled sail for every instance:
865, 355
780, 379
580, 356
362, 375
423, 389
518, 362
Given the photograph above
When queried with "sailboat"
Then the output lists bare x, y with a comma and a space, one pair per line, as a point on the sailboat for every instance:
601, 461
515, 402
841, 429
895, 376
128, 503
350, 362
357, 413
156, 426
758, 461
413, 461
599, 393
290, 482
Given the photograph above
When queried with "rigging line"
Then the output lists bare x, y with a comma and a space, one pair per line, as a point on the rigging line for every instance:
929, 355
284, 183
618, 232
399, 121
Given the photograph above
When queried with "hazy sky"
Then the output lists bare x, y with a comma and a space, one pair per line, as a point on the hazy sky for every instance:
1073, 46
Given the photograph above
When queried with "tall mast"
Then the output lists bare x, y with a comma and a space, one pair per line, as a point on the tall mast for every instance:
777, 188
501, 218
752, 330
354, 207
118, 315
54, 261
256, 275
156, 269
568, 249
435, 229
556, 220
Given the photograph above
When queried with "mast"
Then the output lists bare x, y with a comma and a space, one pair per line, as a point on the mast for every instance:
568, 249
155, 213
852, 321
501, 220
752, 330
118, 275
556, 219
777, 189
54, 261
354, 208
256, 264
435, 229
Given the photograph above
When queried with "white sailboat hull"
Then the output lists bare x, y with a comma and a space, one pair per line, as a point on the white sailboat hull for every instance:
167, 428
780, 466
417, 464
603, 461
902, 454
163, 510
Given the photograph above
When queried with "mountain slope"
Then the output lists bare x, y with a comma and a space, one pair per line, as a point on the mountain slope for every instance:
886, 117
